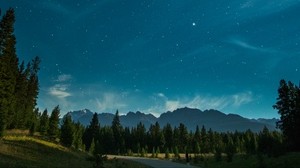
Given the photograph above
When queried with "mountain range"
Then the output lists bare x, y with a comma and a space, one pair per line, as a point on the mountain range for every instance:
213, 119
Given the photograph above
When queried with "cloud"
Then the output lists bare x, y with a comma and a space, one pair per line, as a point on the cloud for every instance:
162, 103
242, 98
202, 102
172, 105
262, 8
61, 87
63, 78
109, 101
246, 45
243, 44
59, 91
161, 95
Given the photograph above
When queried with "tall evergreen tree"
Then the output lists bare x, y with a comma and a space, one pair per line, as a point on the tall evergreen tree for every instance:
8, 69
53, 130
79, 130
140, 134
288, 106
91, 132
67, 131
118, 133
183, 137
18, 119
44, 123
168, 135
32, 91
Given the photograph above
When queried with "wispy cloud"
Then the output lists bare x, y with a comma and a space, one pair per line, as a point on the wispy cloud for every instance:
242, 98
61, 87
63, 78
202, 102
59, 91
243, 44
258, 7
109, 101
246, 45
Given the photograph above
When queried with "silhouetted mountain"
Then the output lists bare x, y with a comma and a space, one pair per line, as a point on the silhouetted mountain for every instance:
268, 121
213, 119
132, 119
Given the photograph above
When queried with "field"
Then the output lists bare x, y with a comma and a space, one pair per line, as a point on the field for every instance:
19, 150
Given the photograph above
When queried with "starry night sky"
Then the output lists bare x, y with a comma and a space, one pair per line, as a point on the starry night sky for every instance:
155, 56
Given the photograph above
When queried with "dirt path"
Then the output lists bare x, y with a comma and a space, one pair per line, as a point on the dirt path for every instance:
155, 163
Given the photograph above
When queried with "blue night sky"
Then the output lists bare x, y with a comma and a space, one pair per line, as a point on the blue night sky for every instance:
160, 55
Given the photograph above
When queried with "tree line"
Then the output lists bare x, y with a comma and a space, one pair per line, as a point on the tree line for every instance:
116, 139
19, 85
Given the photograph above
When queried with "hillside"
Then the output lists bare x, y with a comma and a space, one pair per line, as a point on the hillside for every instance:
20, 151
213, 119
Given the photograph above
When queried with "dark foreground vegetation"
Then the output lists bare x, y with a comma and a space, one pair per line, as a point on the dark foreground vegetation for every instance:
19, 89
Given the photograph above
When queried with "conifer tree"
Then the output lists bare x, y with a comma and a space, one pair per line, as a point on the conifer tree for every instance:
92, 132
32, 91
288, 106
79, 129
53, 130
18, 119
44, 123
67, 131
230, 149
8, 69
118, 131
183, 137
168, 135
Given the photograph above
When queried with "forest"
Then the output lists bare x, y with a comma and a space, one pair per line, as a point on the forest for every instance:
19, 88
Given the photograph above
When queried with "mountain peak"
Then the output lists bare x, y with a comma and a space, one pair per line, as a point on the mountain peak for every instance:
190, 117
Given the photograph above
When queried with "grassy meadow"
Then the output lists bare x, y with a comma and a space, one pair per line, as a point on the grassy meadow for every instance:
19, 150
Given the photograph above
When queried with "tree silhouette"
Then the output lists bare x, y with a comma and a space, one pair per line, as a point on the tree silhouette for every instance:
67, 131
53, 123
288, 106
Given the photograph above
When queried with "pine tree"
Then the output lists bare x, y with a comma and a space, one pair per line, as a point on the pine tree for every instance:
288, 106
168, 135
53, 130
44, 123
18, 120
107, 140
8, 69
118, 131
183, 137
67, 131
92, 132
92, 147
32, 91
79, 129
197, 149
230, 149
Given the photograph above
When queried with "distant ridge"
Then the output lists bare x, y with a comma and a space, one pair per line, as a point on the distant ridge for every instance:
190, 117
